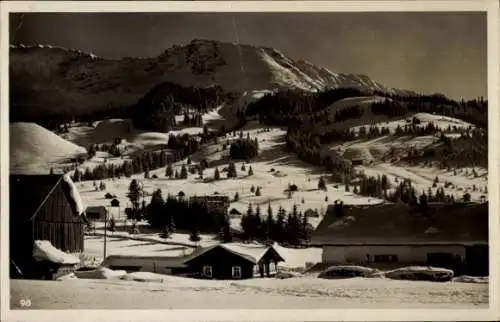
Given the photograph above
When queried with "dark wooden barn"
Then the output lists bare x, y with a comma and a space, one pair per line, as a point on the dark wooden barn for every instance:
234, 261
96, 212
43, 207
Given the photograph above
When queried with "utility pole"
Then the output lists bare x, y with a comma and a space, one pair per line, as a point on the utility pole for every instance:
105, 230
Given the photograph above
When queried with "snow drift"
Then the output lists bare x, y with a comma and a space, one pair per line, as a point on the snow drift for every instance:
144, 277
471, 279
101, 273
43, 250
421, 273
346, 271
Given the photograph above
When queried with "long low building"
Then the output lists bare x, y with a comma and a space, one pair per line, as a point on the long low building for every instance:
452, 236
222, 261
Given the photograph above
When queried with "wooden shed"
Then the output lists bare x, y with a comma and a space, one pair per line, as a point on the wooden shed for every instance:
96, 212
43, 207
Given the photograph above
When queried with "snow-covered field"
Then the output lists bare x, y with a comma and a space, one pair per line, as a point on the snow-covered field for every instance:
258, 293
288, 169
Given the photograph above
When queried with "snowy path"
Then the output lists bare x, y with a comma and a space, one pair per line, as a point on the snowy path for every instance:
300, 293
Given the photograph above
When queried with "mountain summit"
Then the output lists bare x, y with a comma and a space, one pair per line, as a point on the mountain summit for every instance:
45, 77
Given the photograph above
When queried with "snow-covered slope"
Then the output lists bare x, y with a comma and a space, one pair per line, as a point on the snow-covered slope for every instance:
34, 149
50, 77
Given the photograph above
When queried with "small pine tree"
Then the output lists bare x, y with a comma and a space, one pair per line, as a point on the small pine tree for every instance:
194, 235
189, 161
236, 197
326, 198
321, 184
257, 191
243, 168
184, 173
347, 187
169, 171
252, 189
177, 176
216, 174
302, 200
164, 233
250, 171
51, 172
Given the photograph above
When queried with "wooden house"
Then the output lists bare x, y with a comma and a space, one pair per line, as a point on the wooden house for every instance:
43, 207
223, 261
234, 261
451, 236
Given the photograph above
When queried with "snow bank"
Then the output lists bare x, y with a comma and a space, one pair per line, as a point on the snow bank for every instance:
70, 276
342, 271
287, 274
101, 273
43, 250
421, 273
471, 279
74, 194
144, 277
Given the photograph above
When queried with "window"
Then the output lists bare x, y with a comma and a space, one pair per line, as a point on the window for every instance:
236, 271
385, 258
207, 270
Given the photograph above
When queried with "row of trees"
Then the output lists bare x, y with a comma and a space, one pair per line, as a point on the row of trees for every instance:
292, 228
179, 147
177, 213
244, 149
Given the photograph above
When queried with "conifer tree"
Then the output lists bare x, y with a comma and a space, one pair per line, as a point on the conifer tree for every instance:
184, 173
321, 184
169, 171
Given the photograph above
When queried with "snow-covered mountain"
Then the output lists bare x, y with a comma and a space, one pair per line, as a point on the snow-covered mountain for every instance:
49, 76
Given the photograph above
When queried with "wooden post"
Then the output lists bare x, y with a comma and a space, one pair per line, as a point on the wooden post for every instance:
105, 231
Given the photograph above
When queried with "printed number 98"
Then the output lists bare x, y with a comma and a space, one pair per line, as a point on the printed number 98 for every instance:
25, 302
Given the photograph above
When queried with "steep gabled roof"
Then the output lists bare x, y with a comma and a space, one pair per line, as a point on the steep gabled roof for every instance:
399, 224
28, 193
251, 253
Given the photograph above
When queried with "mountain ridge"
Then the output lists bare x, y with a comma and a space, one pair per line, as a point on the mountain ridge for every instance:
44, 76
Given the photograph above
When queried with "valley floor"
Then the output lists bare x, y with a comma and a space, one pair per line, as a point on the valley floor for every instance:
267, 293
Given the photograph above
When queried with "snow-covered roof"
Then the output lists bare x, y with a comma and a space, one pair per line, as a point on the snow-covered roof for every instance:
400, 224
43, 250
251, 252
38, 189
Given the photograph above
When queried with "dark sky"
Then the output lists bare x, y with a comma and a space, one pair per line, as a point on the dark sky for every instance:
426, 52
